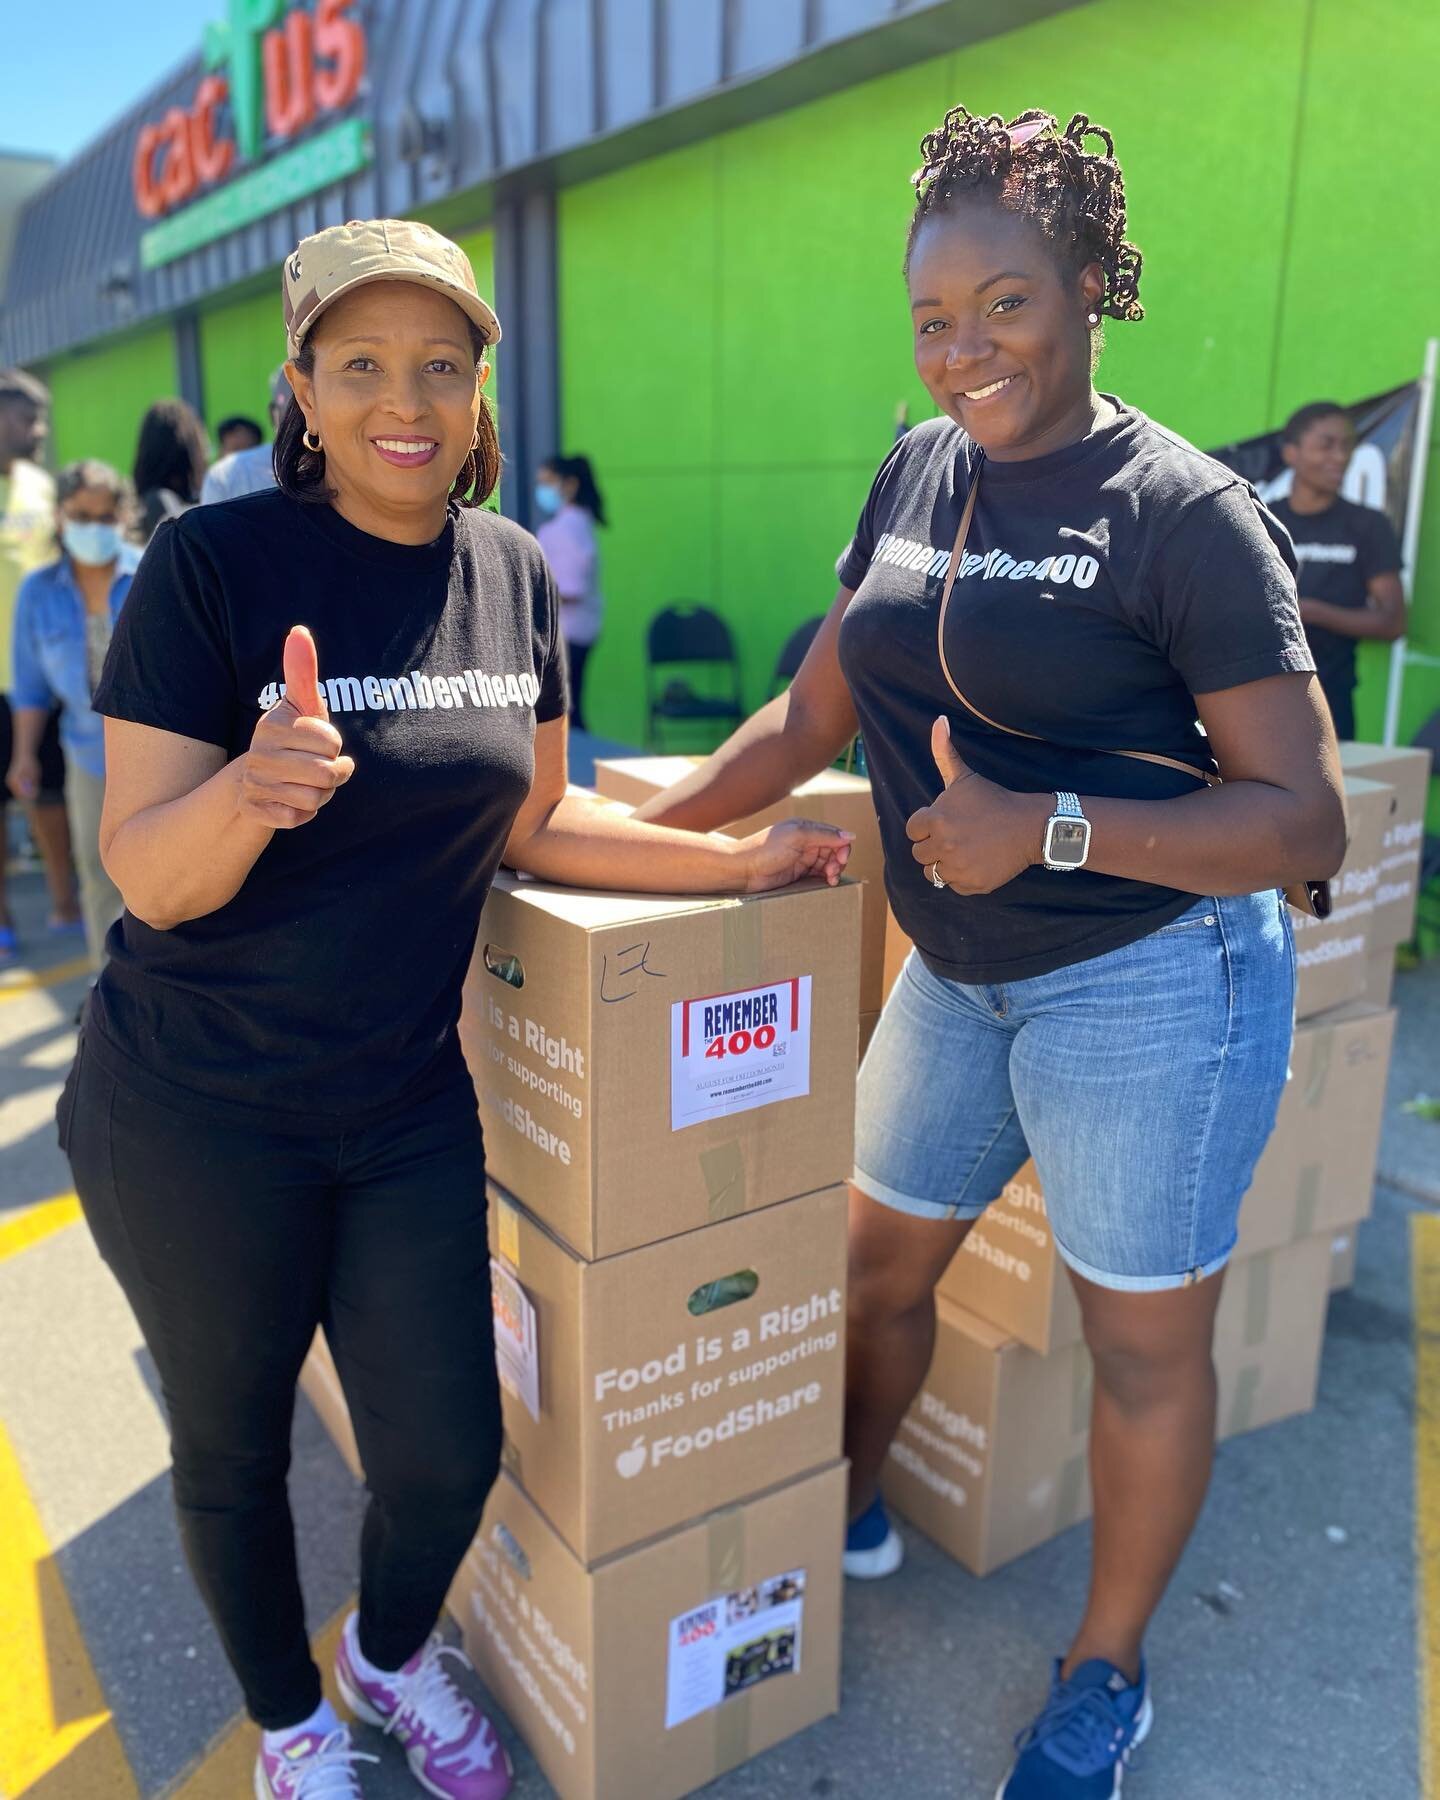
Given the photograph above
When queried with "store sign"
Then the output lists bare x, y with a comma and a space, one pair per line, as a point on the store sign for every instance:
271, 72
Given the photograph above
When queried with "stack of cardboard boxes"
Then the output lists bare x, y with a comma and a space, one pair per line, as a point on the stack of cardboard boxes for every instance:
667, 1089
992, 1458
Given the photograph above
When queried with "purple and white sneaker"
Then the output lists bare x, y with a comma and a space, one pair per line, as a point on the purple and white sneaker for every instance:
453, 1750
307, 1766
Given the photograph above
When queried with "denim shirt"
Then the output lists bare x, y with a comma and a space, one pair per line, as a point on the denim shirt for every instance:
51, 660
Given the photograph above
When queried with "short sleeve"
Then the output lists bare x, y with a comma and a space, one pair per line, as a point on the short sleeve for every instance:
170, 663
1380, 552
854, 561
1219, 596
553, 700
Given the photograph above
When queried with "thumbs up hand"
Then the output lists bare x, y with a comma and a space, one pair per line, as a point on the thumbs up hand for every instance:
976, 835
294, 765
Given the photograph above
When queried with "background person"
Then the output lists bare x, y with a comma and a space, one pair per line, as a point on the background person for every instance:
171, 455
570, 507
27, 541
249, 471
1104, 970
237, 433
1348, 554
64, 616
254, 1157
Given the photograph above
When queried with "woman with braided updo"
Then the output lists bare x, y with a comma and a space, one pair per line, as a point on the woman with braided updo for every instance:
1103, 970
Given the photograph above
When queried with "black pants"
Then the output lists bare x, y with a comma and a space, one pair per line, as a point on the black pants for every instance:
575, 655
231, 1246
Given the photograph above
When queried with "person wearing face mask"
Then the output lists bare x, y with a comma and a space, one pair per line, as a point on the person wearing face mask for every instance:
568, 501
27, 540
64, 615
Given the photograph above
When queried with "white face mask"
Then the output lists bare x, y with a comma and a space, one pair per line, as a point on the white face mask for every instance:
90, 542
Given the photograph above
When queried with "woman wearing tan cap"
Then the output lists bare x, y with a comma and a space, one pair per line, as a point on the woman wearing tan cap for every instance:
270, 1122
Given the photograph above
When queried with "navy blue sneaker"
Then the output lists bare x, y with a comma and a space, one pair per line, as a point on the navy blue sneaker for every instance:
873, 1547
1079, 1746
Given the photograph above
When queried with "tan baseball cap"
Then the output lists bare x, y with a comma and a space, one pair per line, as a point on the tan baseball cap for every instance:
332, 262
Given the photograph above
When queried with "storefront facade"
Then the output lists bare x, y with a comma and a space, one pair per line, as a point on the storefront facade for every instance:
691, 214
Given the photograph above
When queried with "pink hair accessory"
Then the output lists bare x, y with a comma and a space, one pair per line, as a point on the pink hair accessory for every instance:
1022, 134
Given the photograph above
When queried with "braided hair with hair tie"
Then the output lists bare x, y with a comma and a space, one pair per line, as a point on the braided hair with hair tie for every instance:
1032, 168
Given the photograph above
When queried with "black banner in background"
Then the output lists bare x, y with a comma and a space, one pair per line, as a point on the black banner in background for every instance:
1379, 472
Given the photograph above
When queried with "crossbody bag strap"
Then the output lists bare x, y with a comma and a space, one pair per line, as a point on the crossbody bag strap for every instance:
1150, 756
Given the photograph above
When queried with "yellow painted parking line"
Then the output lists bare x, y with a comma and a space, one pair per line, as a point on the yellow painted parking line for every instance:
58, 1740
37, 1223
19, 982
225, 1770
1425, 1259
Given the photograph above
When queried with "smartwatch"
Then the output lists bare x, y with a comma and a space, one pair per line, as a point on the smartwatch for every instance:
1067, 835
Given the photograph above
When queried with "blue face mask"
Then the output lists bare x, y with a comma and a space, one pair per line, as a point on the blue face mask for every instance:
89, 542
548, 500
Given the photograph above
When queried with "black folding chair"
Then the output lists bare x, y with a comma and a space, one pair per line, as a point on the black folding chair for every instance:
787, 665
690, 637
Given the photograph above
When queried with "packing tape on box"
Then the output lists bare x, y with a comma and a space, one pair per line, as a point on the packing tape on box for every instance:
1257, 1298
742, 941
722, 1169
1241, 1415
725, 1544
1070, 1492
1321, 1056
722, 1166
1307, 1199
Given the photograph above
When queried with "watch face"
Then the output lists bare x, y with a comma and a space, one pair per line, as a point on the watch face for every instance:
1067, 842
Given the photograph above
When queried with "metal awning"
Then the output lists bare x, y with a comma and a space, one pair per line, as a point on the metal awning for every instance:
481, 98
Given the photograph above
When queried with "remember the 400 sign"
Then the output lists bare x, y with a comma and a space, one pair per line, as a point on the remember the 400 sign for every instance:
732, 1052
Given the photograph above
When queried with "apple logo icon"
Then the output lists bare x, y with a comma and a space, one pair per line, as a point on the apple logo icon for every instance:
630, 1462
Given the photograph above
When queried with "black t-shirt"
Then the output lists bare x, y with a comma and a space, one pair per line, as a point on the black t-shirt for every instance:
1339, 551
325, 994
1103, 586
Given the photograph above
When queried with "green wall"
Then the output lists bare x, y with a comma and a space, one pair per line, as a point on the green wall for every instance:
734, 332
241, 344
101, 395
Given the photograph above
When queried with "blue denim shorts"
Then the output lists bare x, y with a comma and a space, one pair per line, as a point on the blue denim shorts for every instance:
1144, 1082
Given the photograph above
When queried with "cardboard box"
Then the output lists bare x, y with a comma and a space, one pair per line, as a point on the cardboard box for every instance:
1343, 1250
833, 797
1403, 842
616, 1676
868, 1022
1269, 1331
897, 948
1379, 977
990, 1461
1332, 954
320, 1384
654, 1386
1317, 1174
647, 1065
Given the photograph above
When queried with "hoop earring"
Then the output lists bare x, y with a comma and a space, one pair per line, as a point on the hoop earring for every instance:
475, 443
305, 437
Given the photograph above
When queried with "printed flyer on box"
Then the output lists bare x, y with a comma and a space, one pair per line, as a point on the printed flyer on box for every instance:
731, 1644
517, 1350
732, 1052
